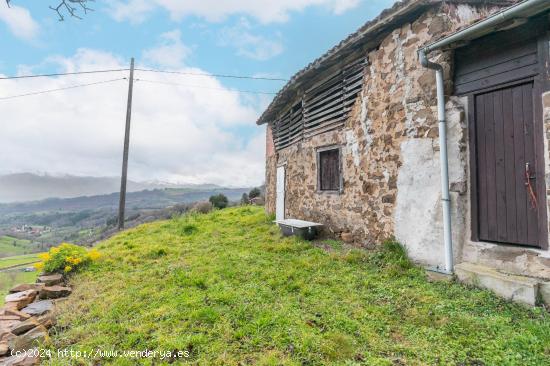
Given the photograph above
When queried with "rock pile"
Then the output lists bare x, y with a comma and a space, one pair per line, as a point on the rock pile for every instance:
26, 317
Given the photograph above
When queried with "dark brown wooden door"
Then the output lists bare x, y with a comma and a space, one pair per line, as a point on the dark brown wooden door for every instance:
508, 184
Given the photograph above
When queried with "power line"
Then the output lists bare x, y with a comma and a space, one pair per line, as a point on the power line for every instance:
143, 70
59, 89
60, 74
213, 75
206, 87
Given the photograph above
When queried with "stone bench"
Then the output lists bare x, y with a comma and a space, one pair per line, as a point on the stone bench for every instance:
304, 229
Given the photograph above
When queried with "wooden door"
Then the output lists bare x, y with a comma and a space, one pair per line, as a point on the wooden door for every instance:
510, 185
280, 194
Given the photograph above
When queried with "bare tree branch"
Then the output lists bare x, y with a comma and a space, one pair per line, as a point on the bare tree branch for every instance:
70, 9
67, 5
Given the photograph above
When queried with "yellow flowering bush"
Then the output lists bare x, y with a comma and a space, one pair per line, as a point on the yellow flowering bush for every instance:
66, 258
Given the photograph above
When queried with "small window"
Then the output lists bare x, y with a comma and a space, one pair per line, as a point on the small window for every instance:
329, 178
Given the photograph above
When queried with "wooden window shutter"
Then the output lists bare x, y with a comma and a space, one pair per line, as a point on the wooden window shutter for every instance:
329, 170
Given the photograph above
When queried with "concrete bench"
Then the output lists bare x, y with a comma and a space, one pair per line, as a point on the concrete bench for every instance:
305, 229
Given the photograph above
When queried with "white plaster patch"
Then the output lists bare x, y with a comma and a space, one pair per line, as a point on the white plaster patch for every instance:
398, 62
418, 218
418, 215
466, 13
352, 146
365, 122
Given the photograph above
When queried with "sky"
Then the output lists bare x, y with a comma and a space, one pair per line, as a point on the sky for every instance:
185, 128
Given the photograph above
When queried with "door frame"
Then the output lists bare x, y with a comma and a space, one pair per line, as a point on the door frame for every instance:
540, 164
280, 166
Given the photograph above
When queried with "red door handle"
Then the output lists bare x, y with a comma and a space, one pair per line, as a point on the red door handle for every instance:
530, 190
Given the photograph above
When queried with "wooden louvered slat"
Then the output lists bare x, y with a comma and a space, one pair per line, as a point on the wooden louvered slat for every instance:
329, 111
324, 128
324, 107
324, 119
313, 100
314, 112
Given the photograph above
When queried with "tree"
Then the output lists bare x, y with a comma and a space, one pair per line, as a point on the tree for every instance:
67, 5
219, 201
244, 199
254, 192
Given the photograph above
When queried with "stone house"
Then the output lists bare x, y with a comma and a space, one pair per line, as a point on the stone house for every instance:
354, 141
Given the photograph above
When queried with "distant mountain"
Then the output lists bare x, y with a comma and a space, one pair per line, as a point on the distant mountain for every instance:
24, 187
146, 199
87, 219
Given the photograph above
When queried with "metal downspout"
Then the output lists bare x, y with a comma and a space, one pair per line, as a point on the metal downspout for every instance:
444, 162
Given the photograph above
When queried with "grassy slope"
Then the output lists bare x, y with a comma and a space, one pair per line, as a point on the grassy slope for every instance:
18, 260
8, 249
228, 288
13, 277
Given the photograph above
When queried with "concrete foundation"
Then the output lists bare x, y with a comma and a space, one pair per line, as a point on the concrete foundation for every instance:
519, 289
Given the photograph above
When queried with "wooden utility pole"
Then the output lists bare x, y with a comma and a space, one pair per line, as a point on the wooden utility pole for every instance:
124, 178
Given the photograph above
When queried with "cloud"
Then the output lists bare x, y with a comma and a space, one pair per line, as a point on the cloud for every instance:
250, 44
135, 11
171, 52
19, 21
340, 7
179, 133
266, 11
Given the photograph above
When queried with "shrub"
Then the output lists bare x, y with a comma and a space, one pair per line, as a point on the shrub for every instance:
180, 208
202, 207
219, 201
112, 221
244, 199
66, 258
189, 229
254, 192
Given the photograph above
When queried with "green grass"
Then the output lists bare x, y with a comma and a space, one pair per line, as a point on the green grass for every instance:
227, 288
9, 279
15, 276
8, 249
18, 260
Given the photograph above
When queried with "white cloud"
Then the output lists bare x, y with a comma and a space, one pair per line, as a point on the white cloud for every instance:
340, 7
170, 53
178, 133
250, 44
19, 21
133, 10
266, 11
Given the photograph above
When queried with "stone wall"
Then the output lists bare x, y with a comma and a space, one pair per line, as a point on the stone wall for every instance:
396, 111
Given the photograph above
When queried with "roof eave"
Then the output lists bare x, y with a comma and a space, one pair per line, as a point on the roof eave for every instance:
386, 19
504, 19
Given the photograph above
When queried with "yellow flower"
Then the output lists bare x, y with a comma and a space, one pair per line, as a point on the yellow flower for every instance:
44, 256
54, 250
68, 268
94, 254
64, 246
74, 260
39, 266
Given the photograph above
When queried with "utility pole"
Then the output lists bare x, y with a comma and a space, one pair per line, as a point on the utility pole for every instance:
124, 178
